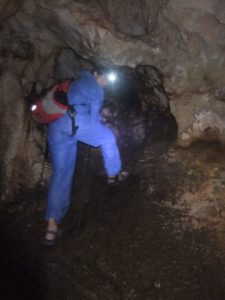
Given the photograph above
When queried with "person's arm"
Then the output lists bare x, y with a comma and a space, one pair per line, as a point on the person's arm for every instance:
96, 104
75, 96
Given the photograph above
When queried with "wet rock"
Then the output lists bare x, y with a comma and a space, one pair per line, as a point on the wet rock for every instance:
151, 90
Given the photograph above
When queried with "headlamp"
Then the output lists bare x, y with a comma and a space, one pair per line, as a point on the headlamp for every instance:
111, 77
33, 107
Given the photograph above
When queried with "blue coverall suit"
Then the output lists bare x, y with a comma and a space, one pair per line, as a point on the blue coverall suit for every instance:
87, 97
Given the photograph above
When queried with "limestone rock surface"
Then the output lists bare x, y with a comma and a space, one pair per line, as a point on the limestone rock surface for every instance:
200, 117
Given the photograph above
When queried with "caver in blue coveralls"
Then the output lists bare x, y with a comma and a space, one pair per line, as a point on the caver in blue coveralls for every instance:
87, 96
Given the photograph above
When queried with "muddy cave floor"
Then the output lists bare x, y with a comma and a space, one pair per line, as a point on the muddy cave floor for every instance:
132, 243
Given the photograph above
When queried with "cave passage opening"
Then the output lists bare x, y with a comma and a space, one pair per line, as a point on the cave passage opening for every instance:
123, 91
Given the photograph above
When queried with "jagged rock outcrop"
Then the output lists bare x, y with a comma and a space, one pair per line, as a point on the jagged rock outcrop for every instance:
200, 117
22, 144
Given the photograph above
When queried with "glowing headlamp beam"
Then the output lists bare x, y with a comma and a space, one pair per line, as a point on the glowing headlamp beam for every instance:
112, 77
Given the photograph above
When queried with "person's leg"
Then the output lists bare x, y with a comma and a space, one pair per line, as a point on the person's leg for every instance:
59, 191
110, 153
101, 135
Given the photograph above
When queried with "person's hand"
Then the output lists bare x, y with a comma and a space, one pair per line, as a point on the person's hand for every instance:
103, 120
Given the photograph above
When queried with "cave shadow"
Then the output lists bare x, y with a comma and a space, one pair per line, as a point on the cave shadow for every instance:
22, 273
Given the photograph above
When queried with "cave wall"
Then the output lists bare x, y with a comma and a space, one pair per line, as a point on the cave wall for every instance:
44, 41
183, 39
